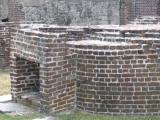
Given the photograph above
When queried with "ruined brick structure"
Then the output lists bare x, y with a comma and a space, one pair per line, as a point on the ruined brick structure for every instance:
98, 69
79, 13
104, 69
41, 63
5, 37
116, 79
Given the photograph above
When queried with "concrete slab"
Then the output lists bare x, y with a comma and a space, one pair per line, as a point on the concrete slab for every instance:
5, 98
15, 109
10, 107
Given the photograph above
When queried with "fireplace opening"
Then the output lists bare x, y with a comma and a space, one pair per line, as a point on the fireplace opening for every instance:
28, 79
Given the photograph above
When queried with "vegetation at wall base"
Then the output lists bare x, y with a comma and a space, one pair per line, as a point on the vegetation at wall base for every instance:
83, 116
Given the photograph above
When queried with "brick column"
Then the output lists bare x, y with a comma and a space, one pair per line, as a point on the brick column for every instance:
52, 66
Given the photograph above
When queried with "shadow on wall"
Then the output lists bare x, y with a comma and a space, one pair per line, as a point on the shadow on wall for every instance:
5, 20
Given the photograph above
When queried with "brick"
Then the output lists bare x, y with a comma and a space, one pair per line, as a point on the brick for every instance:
108, 78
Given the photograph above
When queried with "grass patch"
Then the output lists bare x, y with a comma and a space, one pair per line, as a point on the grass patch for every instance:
77, 116
30, 116
5, 84
81, 116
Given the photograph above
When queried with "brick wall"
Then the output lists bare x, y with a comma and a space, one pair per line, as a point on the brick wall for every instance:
117, 79
28, 77
5, 33
55, 66
121, 81
143, 63
116, 75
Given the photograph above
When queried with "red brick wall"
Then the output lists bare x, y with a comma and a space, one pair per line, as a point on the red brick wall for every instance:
56, 72
122, 79
5, 37
119, 80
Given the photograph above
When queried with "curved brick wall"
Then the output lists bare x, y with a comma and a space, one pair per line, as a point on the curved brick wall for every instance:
117, 78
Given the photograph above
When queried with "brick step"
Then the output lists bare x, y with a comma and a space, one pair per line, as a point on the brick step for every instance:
31, 99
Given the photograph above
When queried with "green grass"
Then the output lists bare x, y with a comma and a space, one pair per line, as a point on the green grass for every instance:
5, 83
5, 86
29, 116
81, 116
77, 116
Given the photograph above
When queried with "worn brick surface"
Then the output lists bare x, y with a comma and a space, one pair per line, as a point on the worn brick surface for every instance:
5, 37
41, 62
125, 81
118, 74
